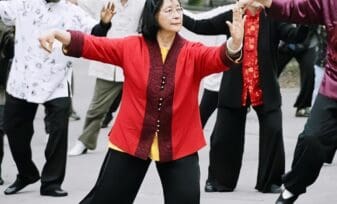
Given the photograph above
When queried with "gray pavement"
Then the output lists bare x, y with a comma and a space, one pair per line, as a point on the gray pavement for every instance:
82, 171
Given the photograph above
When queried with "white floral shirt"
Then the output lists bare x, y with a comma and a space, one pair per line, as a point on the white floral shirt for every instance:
37, 76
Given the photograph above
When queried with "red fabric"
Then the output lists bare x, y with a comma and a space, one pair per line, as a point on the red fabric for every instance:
192, 63
250, 65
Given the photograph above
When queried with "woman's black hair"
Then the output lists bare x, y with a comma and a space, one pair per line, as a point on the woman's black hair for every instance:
149, 25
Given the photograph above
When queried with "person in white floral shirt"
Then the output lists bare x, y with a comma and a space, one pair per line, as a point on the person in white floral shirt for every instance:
37, 77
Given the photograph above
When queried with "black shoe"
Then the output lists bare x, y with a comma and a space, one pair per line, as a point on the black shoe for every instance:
303, 112
18, 185
209, 187
58, 192
1, 181
73, 116
274, 189
106, 121
290, 200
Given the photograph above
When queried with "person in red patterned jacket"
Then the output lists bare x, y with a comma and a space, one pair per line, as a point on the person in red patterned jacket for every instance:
320, 132
252, 83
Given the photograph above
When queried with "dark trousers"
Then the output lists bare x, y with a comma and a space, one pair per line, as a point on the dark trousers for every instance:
1, 149
314, 144
306, 59
330, 155
18, 125
121, 176
1, 136
227, 146
208, 104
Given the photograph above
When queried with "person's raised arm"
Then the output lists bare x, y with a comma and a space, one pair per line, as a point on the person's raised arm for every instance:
102, 28
296, 11
210, 26
211, 60
78, 44
236, 29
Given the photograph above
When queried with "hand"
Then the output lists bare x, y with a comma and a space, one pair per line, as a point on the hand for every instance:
245, 3
236, 28
46, 41
108, 12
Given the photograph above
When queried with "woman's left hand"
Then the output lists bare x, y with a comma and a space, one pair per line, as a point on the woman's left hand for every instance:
236, 28
108, 12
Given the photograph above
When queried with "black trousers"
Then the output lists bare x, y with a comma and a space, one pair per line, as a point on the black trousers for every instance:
121, 176
208, 104
227, 146
1, 149
18, 125
306, 59
330, 155
1, 136
314, 145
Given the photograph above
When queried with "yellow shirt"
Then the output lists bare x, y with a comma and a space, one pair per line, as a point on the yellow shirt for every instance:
154, 152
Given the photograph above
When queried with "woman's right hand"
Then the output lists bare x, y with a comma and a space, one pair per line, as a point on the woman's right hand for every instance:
47, 40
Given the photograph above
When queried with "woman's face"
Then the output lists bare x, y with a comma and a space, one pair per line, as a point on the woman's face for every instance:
169, 16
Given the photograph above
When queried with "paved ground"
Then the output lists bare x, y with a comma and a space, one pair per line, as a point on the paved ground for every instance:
82, 171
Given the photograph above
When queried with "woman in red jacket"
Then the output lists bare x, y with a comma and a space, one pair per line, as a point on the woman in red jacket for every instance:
159, 116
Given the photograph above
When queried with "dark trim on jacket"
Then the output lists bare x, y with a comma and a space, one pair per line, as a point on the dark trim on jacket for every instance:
161, 80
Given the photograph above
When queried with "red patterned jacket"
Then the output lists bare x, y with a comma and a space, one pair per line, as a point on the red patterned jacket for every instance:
157, 97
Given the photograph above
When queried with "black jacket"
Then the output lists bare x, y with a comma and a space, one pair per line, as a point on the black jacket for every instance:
270, 33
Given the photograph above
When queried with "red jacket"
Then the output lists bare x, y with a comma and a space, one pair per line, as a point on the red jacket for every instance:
157, 97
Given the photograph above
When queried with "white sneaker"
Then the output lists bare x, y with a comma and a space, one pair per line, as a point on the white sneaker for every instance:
78, 149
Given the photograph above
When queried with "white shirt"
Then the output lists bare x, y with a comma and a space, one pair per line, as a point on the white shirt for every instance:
124, 23
37, 76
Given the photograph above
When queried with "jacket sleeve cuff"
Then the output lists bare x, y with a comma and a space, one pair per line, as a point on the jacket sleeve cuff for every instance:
101, 29
230, 50
229, 58
75, 48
